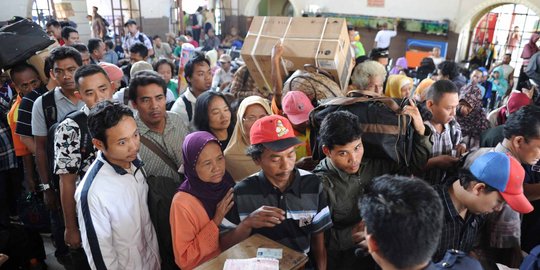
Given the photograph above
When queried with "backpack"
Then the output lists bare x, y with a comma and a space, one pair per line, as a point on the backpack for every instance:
193, 19
532, 261
51, 116
141, 38
386, 134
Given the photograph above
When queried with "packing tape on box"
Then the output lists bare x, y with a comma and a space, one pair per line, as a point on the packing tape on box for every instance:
257, 65
282, 38
320, 42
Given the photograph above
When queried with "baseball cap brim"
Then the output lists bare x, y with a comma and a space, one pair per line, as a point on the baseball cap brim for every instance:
518, 202
297, 119
280, 145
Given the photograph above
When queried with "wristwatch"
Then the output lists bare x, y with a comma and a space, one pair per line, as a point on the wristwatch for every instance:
44, 187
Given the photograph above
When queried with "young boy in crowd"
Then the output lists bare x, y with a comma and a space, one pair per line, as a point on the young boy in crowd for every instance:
73, 152
493, 179
341, 139
442, 99
116, 229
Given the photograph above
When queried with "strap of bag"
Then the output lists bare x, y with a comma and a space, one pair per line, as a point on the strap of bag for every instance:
49, 108
389, 102
360, 93
189, 110
126, 96
159, 152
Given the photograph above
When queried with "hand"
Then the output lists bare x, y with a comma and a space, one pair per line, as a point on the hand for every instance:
359, 235
461, 149
464, 109
277, 51
528, 92
72, 237
224, 86
265, 216
223, 207
3, 258
444, 161
307, 163
412, 111
31, 183
49, 197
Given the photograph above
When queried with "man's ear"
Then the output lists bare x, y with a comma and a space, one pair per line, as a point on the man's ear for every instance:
326, 150
478, 188
518, 141
429, 104
51, 74
98, 144
257, 161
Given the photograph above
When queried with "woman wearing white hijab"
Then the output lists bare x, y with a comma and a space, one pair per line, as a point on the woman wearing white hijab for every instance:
239, 165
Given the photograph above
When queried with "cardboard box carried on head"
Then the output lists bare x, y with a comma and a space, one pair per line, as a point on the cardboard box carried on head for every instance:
321, 42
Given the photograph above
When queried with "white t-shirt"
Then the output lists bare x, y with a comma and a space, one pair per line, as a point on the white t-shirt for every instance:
383, 37
437, 60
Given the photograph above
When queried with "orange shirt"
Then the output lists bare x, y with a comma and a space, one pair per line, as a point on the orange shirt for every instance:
195, 237
12, 116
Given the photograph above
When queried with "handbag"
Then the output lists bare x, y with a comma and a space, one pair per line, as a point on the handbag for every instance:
161, 191
33, 212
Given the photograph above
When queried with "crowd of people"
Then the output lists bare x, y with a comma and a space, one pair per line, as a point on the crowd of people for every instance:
154, 154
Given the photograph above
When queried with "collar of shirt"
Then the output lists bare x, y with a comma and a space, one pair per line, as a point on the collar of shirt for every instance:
85, 110
143, 128
59, 95
134, 36
268, 188
343, 175
189, 95
119, 170
430, 125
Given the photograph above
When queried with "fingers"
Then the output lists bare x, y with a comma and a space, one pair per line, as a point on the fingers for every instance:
358, 237
272, 209
412, 103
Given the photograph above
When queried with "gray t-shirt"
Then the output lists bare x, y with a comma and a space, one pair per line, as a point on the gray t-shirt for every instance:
63, 107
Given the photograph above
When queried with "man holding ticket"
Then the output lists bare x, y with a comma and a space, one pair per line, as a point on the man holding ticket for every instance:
281, 202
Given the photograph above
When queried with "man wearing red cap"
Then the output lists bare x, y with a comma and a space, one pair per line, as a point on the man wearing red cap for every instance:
281, 202
493, 179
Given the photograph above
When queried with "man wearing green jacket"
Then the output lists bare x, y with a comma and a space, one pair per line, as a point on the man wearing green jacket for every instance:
341, 141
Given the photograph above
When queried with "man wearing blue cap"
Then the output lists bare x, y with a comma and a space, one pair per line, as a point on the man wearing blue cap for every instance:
411, 207
493, 179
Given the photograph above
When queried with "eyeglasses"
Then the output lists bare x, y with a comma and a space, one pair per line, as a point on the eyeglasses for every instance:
253, 118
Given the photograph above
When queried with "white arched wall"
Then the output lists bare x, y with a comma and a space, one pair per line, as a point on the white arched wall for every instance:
251, 8
472, 15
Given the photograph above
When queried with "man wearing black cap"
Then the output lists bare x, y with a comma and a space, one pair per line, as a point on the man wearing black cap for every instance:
135, 36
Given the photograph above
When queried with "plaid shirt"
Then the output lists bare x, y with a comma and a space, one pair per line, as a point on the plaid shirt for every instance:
243, 86
8, 160
443, 144
457, 233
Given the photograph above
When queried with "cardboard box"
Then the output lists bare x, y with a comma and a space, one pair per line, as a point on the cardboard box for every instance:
322, 42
